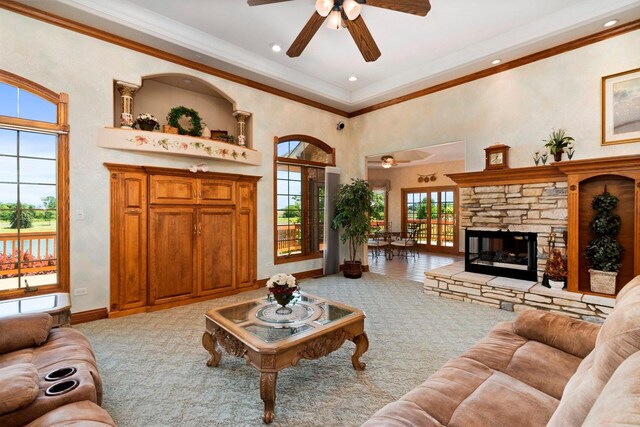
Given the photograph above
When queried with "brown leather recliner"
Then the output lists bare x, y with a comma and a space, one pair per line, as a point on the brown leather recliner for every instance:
42, 369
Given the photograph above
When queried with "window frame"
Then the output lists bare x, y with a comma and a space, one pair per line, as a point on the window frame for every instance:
61, 128
306, 254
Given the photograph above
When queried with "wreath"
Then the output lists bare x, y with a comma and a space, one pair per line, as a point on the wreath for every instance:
177, 112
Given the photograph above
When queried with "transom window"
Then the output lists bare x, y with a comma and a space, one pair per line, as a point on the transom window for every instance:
299, 197
33, 190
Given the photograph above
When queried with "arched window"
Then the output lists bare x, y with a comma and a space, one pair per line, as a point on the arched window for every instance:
299, 197
34, 161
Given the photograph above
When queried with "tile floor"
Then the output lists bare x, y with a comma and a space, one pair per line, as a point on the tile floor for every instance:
410, 268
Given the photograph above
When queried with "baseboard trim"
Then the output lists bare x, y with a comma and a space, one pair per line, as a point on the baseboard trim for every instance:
299, 276
89, 315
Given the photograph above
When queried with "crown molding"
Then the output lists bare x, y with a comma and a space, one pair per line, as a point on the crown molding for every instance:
87, 30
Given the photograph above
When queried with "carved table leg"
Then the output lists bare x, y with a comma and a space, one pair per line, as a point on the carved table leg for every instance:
209, 343
362, 345
268, 394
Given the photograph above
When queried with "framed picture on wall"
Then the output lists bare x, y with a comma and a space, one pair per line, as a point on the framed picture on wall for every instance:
621, 107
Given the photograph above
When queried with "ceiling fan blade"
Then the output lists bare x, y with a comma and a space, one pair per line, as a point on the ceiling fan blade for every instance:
361, 35
415, 7
305, 36
261, 2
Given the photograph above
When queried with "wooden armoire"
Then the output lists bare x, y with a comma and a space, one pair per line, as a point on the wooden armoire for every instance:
179, 237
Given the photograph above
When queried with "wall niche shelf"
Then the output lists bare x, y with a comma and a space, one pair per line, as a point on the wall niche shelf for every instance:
181, 145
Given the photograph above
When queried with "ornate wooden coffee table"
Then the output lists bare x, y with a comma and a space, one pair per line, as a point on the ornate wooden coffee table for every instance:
271, 342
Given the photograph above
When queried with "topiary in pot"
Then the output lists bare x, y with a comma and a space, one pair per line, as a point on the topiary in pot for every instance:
353, 210
604, 252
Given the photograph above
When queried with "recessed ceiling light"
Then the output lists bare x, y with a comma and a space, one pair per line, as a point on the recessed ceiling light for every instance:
496, 61
187, 81
276, 47
611, 23
353, 79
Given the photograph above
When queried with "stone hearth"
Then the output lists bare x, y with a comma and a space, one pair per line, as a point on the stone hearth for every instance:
453, 282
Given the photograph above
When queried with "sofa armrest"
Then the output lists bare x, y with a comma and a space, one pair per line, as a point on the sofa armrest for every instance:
572, 336
23, 331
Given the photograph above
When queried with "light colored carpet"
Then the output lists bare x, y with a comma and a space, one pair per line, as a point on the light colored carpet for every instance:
153, 364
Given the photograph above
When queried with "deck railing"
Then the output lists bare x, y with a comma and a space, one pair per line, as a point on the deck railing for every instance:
30, 253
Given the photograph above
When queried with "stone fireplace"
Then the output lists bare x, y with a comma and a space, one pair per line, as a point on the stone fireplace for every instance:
539, 207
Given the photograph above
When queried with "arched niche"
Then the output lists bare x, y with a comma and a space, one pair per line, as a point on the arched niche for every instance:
159, 93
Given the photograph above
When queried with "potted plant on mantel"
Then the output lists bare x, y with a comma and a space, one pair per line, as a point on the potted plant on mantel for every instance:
353, 210
557, 142
604, 252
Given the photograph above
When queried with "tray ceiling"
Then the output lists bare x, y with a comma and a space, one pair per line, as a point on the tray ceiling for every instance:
456, 38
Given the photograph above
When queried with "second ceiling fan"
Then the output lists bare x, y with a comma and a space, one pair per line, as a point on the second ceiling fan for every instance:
347, 13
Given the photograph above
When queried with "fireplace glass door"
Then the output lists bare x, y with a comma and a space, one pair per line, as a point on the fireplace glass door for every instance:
431, 214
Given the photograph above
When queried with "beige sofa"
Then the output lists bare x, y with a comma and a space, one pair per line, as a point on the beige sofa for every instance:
43, 369
542, 369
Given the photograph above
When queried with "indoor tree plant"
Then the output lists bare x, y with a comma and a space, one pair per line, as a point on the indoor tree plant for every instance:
353, 210
557, 142
604, 252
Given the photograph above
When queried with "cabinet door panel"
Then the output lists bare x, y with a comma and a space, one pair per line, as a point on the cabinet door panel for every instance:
131, 230
246, 250
216, 245
172, 189
215, 191
171, 254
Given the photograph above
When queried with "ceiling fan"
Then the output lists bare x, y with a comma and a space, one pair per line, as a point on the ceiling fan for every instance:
388, 161
347, 13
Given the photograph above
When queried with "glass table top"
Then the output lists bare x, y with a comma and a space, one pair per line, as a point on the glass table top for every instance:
259, 317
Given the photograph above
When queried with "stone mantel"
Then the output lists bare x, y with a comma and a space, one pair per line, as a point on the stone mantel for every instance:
555, 172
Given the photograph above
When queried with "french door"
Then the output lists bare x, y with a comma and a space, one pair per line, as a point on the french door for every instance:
432, 214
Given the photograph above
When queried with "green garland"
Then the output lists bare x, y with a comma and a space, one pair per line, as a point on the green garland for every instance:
177, 112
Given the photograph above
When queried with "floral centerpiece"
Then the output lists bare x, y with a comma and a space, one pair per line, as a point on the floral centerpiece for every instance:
146, 121
281, 287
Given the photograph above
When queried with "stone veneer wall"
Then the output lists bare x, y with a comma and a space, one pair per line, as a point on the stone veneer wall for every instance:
539, 208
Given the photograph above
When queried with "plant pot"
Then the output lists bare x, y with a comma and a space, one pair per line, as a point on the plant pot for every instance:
352, 269
603, 282
148, 125
556, 284
557, 157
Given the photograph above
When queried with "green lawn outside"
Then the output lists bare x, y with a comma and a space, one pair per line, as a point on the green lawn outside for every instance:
38, 226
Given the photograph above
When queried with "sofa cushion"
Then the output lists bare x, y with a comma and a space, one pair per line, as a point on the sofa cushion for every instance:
465, 392
24, 331
85, 414
536, 364
618, 339
618, 404
572, 336
18, 387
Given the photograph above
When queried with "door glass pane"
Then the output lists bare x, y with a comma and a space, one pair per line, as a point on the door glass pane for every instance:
288, 210
8, 142
40, 145
315, 212
447, 218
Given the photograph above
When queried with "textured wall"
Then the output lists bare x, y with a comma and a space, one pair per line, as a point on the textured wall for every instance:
85, 68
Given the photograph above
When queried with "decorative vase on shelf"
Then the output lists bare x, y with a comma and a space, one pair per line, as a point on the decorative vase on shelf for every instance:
146, 121
147, 125
206, 132
281, 287
557, 156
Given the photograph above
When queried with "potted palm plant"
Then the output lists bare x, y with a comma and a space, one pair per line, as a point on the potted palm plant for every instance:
557, 142
604, 252
353, 209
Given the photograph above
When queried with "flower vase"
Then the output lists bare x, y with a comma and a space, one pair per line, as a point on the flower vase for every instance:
283, 300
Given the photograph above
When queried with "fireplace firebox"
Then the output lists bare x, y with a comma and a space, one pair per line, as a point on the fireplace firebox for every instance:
501, 253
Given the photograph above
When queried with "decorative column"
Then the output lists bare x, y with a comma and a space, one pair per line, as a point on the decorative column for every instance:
126, 90
241, 117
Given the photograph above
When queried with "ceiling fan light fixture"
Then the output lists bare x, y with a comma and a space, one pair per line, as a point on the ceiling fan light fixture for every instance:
323, 7
351, 9
335, 20
386, 165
